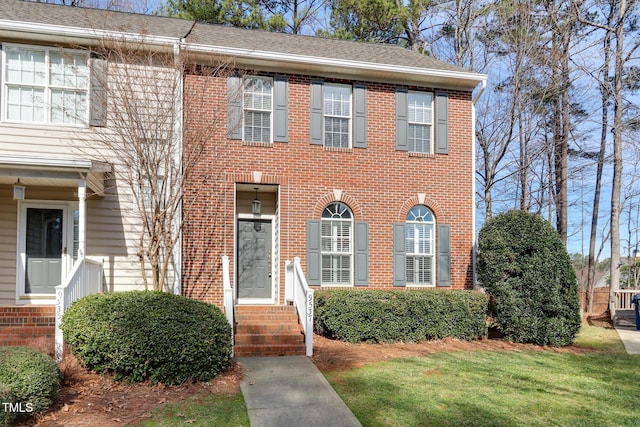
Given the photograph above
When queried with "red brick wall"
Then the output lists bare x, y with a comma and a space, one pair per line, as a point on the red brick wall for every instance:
24, 325
379, 183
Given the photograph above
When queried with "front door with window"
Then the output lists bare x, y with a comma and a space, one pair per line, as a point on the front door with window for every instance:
44, 250
47, 244
254, 272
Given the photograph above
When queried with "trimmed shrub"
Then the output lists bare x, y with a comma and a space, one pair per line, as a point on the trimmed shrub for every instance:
389, 316
29, 382
154, 335
524, 267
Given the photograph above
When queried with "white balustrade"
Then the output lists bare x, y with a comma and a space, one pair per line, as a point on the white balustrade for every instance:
297, 291
85, 279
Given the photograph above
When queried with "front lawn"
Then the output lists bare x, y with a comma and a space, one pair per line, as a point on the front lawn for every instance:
600, 387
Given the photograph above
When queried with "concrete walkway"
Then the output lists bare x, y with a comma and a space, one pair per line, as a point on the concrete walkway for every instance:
291, 391
630, 338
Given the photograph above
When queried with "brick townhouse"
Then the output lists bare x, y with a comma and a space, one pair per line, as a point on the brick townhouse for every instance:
360, 156
357, 158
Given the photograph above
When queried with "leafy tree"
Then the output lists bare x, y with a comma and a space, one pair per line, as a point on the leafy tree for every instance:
383, 21
289, 16
238, 13
524, 267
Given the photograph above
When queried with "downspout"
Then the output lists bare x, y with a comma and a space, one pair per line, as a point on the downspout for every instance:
178, 130
474, 243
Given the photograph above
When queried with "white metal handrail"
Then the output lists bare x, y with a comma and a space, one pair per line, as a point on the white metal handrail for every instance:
228, 296
85, 279
297, 290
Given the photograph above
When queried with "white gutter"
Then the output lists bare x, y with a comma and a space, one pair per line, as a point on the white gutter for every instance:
336, 63
59, 30
39, 162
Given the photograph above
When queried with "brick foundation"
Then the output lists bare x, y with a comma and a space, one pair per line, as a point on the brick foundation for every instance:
24, 325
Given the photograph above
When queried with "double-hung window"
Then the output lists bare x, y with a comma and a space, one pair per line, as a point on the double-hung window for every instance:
257, 107
422, 122
45, 85
337, 244
337, 116
420, 245
420, 107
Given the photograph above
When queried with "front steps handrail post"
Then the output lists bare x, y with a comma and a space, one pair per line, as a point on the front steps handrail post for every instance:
228, 296
297, 290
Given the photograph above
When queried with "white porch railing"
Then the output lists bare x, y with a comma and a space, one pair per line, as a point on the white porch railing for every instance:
297, 290
228, 296
624, 297
85, 279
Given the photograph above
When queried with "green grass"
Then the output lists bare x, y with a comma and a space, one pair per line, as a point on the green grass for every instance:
506, 388
212, 410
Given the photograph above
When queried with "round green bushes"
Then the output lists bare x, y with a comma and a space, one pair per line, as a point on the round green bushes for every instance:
154, 335
29, 382
524, 267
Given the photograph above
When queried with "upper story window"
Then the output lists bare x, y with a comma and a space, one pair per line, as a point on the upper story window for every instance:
420, 246
422, 122
337, 244
45, 85
257, 107
337, 116
420, 108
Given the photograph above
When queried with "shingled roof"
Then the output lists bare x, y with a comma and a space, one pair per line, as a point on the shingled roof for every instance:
298, 52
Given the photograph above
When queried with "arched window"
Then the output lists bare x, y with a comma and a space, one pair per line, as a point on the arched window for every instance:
420, 246
337, 244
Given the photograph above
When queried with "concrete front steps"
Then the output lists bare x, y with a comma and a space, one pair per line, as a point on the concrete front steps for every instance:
264, 330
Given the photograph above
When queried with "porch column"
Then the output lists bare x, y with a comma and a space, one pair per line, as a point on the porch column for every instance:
82, 217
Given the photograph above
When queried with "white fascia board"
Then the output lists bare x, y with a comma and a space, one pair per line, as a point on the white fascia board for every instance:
85, 33
471, 79
42, 163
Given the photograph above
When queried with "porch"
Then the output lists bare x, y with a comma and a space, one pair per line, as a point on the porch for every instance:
624, 312
43, 221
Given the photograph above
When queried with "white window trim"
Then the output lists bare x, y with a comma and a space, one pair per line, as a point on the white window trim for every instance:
350, 253
350, 118
431, 124
270, 111
4, 95
433, 253
67, 208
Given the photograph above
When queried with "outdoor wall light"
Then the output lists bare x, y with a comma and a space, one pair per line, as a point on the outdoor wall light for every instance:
18, 191
256, 204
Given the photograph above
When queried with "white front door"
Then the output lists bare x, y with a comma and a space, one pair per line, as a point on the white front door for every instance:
46, 248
